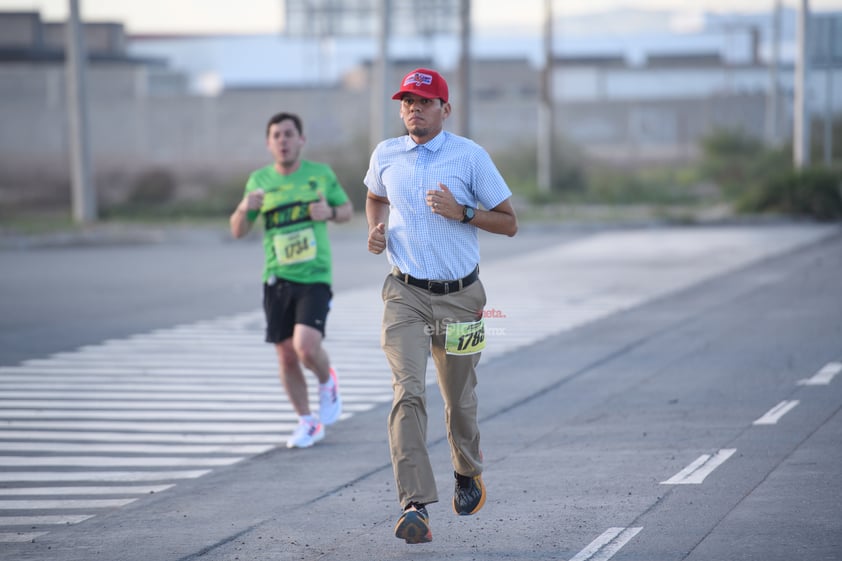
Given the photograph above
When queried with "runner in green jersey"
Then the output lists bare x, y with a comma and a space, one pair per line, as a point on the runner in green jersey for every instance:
296, 246
296, 198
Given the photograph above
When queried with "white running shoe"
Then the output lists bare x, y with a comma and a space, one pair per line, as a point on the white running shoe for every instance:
306, 434
330, 402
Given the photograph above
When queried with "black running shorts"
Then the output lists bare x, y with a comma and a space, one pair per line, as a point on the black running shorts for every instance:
288, 303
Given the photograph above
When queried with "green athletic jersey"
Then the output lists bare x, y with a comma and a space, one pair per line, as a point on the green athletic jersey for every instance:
296, 247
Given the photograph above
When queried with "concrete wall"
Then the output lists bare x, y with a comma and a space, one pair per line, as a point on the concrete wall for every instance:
209, 140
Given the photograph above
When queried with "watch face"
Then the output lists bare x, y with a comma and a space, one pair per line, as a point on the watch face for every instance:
468, 214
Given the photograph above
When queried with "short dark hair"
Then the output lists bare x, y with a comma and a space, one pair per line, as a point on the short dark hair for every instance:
278, 117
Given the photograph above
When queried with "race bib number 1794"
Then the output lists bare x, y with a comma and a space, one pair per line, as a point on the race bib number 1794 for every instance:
295, 247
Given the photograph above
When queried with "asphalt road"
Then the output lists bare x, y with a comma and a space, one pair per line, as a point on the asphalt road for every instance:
62, 292
667, 395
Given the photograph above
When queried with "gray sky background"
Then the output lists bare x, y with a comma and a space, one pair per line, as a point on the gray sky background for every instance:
266, 16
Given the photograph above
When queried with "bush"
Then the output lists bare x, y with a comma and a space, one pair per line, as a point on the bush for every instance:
813, 192
650, 185
738, 164
152, 187
520, 169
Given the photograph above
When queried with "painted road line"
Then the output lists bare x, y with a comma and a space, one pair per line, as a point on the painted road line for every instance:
107, 461
44, 519
824, 376
100, 490
155, 426
75, 393
155, 404
165, 387
77, 504
606, 545
697, 471
98, 476
141, 415
119, 447
12, 537
97, 436
775, 413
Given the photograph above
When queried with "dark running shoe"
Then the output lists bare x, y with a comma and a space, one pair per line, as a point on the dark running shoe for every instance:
414, 525
469, 495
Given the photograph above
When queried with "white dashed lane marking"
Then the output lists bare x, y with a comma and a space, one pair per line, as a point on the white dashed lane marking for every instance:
775, 413
607, 544
696, 472
824, 376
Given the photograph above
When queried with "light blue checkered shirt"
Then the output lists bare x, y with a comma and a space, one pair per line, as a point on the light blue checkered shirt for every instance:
420, 243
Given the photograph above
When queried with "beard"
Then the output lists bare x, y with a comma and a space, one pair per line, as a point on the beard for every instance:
418, 130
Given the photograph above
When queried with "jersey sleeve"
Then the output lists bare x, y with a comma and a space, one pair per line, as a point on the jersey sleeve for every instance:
336, 195
252, 183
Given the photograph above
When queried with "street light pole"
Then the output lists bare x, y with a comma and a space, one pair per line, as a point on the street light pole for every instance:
380, 74
83, 192
545, 109
465, 68
801, 113
773, 119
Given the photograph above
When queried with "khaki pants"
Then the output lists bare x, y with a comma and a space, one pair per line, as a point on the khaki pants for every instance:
414, 325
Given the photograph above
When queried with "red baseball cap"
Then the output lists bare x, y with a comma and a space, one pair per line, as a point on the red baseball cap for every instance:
425, 83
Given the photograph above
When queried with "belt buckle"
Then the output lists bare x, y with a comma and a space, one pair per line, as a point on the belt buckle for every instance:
445, 288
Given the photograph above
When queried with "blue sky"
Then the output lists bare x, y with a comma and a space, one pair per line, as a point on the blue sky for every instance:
266, 16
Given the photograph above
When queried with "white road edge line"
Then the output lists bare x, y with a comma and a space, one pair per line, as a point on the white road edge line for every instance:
824, 376
697, 471
774, 414
605, 546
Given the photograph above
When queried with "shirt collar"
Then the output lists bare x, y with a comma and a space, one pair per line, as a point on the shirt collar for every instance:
433, 144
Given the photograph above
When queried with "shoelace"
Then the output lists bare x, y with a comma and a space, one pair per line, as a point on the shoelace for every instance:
466, 491
464, 482
331, 392
420, 509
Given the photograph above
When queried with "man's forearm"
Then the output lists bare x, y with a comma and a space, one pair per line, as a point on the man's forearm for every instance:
239, 222
343, 212
499, 220
376, 211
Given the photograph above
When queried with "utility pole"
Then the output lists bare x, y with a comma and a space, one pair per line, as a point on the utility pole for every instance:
380, 75
83, 192
801, 113
546, 119
773, 118
830, 25
465, 68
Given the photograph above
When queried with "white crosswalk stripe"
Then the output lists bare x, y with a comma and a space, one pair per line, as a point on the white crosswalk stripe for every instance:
156, 408
192, 397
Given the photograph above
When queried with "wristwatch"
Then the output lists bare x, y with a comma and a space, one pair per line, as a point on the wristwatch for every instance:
467, 214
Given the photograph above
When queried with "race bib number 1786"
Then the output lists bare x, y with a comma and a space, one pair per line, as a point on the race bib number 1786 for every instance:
465, 338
